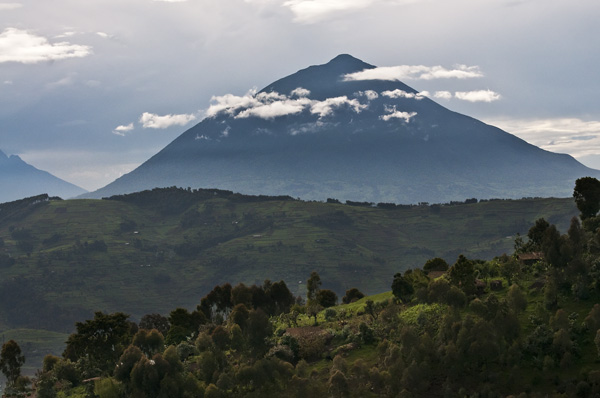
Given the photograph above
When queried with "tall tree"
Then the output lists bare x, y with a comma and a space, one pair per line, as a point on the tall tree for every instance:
11, 360
462, 275
101, 339
587, 196
313, 285
402, 288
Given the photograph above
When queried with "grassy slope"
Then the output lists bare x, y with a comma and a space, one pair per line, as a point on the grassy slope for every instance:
241, 242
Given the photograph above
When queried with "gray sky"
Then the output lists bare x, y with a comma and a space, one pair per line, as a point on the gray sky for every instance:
91, 89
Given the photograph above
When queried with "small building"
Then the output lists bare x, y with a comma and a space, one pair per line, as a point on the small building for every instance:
496, 284
530, 258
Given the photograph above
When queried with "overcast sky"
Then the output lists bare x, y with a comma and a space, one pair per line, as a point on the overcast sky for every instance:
91, 89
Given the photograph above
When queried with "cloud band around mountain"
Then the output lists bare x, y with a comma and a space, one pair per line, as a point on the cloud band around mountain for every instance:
270, 105
415, 72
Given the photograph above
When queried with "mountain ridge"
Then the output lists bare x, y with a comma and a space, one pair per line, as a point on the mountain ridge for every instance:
19, 180
314, 134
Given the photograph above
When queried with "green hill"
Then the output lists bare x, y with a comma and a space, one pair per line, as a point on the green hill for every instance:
156, 250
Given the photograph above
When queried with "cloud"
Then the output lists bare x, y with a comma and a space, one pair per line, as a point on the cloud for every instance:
122, 129
66, 34
300, 92
443, 95
21, 46
311, 11
563, 135
104, 35
395, 114
403, 94
270, 105
171, 1
10, 6
326, 107
415, 72
230, 103
275, 109
370, 94
154, 121
477, 96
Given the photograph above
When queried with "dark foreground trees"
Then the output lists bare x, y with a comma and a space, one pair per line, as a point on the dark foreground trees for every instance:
587, 196
11, 361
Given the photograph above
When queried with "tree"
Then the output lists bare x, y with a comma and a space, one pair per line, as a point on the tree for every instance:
587, 196
102, 340
149, 341
435, 264
402, 288
313, 285
281, 297
462, 275
327, 298
536, 234
352, 295
11, 360
259, 329
516, 299
155, 321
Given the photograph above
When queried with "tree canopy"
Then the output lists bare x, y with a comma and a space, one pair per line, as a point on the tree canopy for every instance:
587, 196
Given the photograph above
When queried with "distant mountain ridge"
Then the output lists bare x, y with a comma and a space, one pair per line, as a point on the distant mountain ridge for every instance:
19, 179
315, 134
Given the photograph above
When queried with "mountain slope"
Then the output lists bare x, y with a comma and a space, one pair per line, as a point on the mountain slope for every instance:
315, 134
19, 180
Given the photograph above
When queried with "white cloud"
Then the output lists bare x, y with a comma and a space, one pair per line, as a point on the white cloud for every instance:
21, 46
443, 95
66, 34
326, 107
395, 114
154, 121
415, 72
230, 103
10, 6
104, 35
311, 11
171, 1
370, 94
275, 109
477, 96
122, 129
403, 94
272, 104
300, 92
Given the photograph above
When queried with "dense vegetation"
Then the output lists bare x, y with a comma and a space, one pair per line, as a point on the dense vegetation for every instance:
129, 253
526, 325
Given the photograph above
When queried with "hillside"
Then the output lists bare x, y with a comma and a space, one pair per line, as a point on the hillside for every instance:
130, 254
317, 134
474, 328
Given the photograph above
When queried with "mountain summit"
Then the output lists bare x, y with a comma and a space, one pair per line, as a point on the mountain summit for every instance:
327, 131
19, 180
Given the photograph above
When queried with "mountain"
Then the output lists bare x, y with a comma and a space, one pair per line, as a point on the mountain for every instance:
317, 134
19, 180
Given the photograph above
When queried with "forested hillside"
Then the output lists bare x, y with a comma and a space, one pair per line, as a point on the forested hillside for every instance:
160, 249
525, 324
